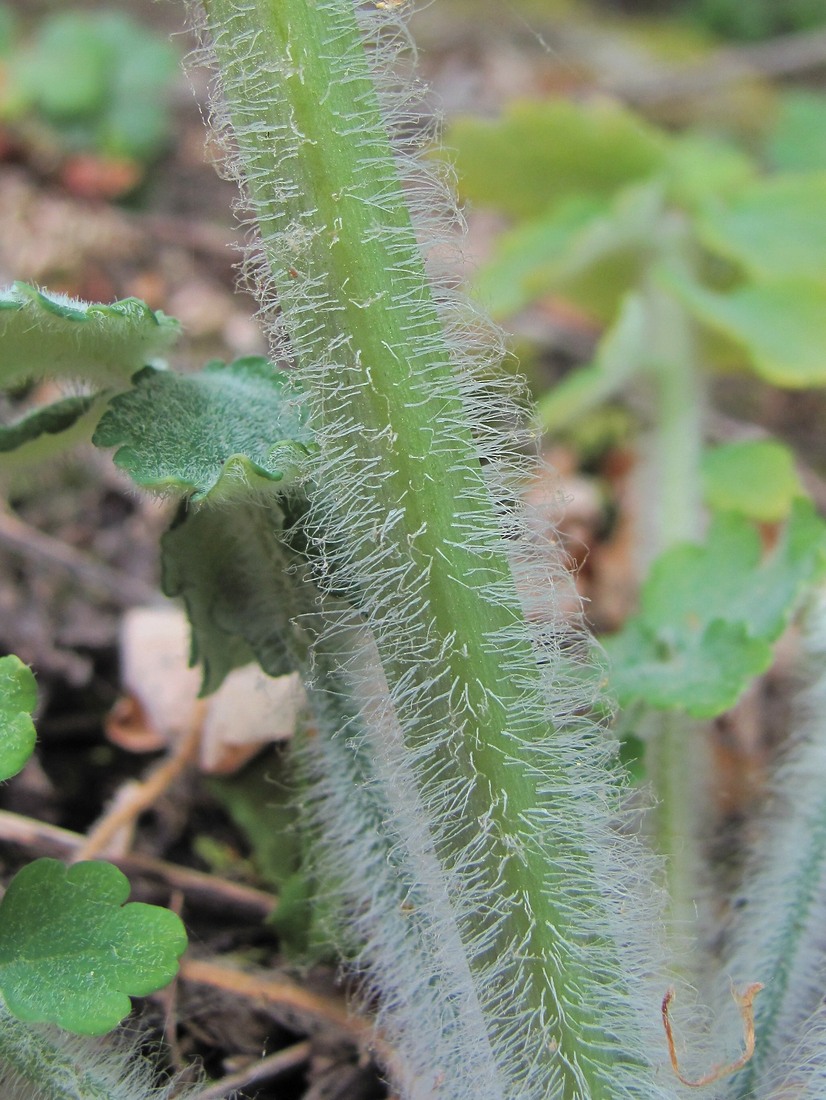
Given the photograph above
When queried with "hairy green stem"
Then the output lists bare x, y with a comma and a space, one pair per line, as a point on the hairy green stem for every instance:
38, 1062
405, 517
778, 939
675, 760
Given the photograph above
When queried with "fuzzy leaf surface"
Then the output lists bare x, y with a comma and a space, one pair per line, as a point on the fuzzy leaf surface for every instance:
539, 153
756, 478
53, 419
710, 613
50, 335
71, 952
224, 564
225, 432
18, 696
780, 326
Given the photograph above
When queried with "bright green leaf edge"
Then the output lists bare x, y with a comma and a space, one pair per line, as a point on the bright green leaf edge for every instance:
53, 419
710, 614
18, 697
703, 676
72, 954
51, 335
780, 325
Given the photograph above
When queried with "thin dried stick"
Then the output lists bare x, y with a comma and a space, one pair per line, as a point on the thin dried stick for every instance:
266, 1070
200, 888
33, 544
791, 53
745, 1002
295, 1001
146, 793
295, 1004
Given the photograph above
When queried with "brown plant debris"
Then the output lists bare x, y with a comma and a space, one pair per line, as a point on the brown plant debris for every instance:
745, 1003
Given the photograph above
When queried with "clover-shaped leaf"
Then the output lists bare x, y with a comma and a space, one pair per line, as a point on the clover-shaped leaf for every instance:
228, 430
710, 614
703, 673
18, 695
71, 952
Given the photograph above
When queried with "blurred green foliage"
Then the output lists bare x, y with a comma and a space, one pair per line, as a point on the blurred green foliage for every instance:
757, 19
605, 206
709, 614
98, 81
693, 255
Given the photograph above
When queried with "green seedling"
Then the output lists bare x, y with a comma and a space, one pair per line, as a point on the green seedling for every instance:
71, 952
88, 82
694, 259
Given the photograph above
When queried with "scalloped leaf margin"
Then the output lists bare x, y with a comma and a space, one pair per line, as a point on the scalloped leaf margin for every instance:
51, 335
230, 430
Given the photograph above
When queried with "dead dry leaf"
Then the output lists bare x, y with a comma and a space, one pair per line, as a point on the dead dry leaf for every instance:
249, 710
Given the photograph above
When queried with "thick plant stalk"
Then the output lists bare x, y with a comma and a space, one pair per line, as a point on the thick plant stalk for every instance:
503, 830
779, 937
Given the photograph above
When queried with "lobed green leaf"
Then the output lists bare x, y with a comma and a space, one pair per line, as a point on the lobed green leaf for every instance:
540, 153
71, 952
775, 227
18, 696
710, 613
221, 563
779, 326
704, 673
230, 430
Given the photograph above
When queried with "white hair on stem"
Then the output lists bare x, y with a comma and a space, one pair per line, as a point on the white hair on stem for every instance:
472, 782
39, 1062
780, 937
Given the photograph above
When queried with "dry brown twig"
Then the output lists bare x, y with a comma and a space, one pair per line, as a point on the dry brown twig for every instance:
23, 539
294, 1002
145, 794
267, 1069
208, 890
745, 1002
